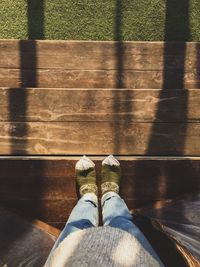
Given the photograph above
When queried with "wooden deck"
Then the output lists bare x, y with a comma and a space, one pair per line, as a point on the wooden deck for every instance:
62, 99
89, 64
44, 187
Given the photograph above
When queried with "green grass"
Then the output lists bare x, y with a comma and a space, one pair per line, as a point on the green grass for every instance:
153, 20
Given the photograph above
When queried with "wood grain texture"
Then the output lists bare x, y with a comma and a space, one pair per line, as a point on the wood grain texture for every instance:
44, 188
99, 138
99, 64
64, 116
92, 55
42, 104
59, 78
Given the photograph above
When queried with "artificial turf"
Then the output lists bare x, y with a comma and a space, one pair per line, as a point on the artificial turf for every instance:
146, 20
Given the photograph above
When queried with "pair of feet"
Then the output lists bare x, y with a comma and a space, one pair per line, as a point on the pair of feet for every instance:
86, 175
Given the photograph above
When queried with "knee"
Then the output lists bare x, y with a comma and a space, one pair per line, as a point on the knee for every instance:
81, 224
121, 222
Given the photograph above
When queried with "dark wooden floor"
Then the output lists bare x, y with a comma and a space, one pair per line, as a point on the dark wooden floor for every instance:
44, 187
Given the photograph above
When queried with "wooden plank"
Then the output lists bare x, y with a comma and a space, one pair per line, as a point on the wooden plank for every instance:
128, 105
99, 138
44, 187
92, 55
60, 78
46, 228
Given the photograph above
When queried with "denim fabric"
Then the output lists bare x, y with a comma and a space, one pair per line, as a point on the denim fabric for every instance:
114, 206
84, 215
115, 214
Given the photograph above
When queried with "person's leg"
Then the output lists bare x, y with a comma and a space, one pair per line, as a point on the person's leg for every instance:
113, 206
116, 214
114, 210
84, 215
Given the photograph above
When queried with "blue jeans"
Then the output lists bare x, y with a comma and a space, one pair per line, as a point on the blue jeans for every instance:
115, 214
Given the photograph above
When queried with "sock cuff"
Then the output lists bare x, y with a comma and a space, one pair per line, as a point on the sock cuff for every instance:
109, 186
88, 188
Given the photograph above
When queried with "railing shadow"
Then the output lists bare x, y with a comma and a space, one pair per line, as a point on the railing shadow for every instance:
25, 196
173, 78
119, 139
176, 29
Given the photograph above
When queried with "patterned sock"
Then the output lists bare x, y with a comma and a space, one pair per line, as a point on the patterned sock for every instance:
86, 176
110, 175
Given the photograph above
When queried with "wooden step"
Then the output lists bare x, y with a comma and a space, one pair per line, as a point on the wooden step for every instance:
99, 105
99, 138
97, 55
44, 187
99, 64
54, 121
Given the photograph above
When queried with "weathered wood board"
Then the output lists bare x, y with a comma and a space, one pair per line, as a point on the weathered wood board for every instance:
95, 55
51, 78
99, 138
99, 64
44, 187
128, 105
